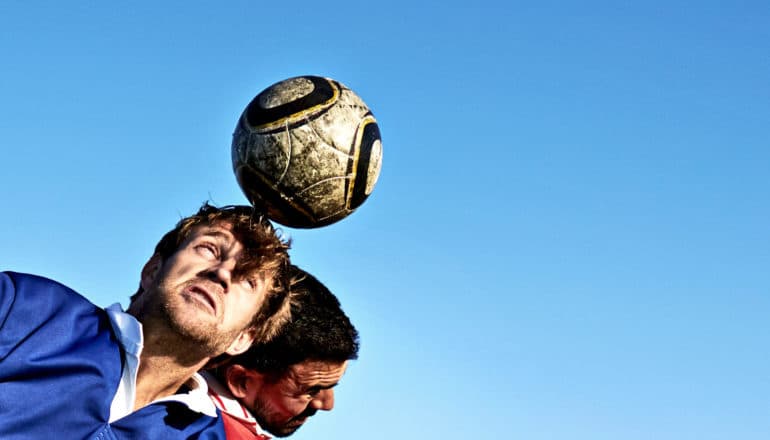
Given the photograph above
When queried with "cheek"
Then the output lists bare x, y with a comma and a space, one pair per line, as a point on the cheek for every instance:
293, 407
276, 408
175, 270
244, 306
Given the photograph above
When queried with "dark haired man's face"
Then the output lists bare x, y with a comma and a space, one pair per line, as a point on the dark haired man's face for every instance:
282, 406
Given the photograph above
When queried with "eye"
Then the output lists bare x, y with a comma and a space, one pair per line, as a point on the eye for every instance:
312, 392
250, 283
207, 250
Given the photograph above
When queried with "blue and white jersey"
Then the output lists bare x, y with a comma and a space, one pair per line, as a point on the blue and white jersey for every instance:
61, 365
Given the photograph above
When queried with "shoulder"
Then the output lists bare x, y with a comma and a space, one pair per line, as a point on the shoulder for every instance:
30, 301
16, 286
168, 420
237, 420
225, 401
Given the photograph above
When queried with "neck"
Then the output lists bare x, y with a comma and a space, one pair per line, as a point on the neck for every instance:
166, 363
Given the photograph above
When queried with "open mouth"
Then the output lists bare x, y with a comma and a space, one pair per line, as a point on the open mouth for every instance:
296, 423
300, 419
204, 297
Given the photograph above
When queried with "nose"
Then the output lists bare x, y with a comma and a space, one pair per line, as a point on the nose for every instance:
324, 400
222, 273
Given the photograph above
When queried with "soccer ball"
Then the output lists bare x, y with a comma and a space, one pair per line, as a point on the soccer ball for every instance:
307, 151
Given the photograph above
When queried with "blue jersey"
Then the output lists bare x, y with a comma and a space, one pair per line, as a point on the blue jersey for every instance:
60, 366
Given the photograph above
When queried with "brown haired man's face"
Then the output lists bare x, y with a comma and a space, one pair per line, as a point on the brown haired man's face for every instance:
199, 292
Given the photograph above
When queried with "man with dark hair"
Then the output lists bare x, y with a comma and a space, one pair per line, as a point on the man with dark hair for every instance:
68, 369
277, 385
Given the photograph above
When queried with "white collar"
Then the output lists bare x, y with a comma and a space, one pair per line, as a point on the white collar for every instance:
128, 331
197, 399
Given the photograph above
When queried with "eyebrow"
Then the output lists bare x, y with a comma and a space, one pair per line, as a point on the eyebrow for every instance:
324, 387
217, 234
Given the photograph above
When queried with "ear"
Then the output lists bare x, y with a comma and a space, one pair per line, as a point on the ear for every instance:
242, 342
150, 271
240, 380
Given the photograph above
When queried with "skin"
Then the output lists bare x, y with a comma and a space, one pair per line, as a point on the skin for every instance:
284, 404
195, 306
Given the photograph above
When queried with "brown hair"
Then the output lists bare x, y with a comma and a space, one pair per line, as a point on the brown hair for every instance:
265, 254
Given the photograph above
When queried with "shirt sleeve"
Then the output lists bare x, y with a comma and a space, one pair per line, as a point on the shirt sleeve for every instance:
7, 296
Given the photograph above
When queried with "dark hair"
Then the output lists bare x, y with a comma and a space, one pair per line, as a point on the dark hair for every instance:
265, 254
318, 330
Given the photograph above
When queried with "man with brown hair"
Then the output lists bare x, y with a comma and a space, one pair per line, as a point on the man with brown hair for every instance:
68, 369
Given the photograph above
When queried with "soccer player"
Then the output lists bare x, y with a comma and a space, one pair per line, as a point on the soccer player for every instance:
68, 369
275, 386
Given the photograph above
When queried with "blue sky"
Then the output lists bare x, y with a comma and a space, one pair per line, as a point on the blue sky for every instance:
569, 238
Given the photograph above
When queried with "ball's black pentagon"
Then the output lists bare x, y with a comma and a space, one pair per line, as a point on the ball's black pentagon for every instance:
293, 100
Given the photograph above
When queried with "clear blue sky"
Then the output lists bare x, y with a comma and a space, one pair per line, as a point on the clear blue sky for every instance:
570, 238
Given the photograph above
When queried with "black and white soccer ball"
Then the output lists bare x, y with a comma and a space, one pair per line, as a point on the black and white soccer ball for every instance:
307, 151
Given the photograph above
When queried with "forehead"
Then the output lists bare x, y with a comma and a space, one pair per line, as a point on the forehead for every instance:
313, 372
220, 230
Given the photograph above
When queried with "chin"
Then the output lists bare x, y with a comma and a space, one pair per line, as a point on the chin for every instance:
284, 431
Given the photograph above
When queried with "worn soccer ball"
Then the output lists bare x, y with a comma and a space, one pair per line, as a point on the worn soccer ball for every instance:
307, 150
